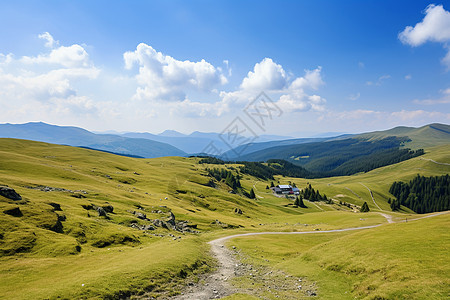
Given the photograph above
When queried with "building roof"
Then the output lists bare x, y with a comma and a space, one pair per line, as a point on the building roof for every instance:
285, 186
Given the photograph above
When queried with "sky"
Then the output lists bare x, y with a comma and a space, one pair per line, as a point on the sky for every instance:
293, 68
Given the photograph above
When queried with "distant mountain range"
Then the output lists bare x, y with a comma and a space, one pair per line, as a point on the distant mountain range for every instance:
173, 143
74, 136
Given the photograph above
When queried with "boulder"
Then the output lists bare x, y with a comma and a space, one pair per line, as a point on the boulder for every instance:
108, 208
171, 219
56, 206
140, 215
238, 211
101, 212
9, 193
15, 212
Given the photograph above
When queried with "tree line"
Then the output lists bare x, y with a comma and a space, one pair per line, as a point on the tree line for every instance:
422, 194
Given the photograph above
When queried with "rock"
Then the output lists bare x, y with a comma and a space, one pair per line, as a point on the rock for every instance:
148, 227
101, 212
238, 211
56, 206
140, 215
87, 206
58, 227
108, 208
15, 212
61, 218
171, 219
9, 193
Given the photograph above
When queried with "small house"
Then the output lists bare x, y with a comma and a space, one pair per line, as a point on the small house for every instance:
296, 191
285, 189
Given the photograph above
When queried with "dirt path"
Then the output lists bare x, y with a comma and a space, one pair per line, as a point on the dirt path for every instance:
217, 284
436, 162
371, 195
388, 218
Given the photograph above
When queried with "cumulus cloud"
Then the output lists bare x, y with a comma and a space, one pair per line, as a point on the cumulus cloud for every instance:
162, 77
47, 79
69, 57
49, 38
271, 77
266, 75
435, 27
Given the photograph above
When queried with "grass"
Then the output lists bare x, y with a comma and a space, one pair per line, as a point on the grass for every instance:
40, 259
395, 261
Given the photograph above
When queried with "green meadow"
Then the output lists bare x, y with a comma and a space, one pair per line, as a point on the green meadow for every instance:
74, 253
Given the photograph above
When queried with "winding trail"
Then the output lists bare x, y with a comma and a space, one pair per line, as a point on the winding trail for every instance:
217, 284
436, 162
371, 195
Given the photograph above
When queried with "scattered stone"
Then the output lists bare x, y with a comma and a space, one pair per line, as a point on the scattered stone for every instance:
56, 206
238, 211
87, 206
108, 208
15, 212
101, 212
61, 218
9, 193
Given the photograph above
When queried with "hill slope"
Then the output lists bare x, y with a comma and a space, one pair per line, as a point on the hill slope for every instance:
74, 136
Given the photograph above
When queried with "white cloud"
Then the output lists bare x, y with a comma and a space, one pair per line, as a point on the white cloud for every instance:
445, 99
69, 57
408, 77
49, 38
266, 75
435, 27
43, 84
379, 81
162, 77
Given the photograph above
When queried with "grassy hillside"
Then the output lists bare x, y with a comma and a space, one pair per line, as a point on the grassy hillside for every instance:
45, 246
423, 137
60, 246
395, 261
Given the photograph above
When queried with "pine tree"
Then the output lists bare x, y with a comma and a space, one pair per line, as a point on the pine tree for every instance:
271, 184
364, 208
252, 194
300, 202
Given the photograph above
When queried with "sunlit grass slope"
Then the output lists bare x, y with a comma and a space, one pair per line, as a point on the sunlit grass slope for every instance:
74, 253
395, 261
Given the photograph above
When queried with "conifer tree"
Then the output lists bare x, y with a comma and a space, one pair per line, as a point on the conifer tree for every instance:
252, 194
364, 208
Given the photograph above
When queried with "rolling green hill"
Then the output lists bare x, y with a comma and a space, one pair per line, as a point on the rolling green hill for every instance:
98, 225
423, 137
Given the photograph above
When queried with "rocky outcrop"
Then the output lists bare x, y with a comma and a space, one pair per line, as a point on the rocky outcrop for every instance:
238, 211
56, 206
15, 212
169, 223
9, 193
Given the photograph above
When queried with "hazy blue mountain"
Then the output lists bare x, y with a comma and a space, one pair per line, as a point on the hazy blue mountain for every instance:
197, 142
171, 133
74, 136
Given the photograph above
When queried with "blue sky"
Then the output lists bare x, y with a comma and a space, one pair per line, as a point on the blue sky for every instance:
329, 66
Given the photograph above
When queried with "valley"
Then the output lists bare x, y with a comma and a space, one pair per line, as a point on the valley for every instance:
161, 214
